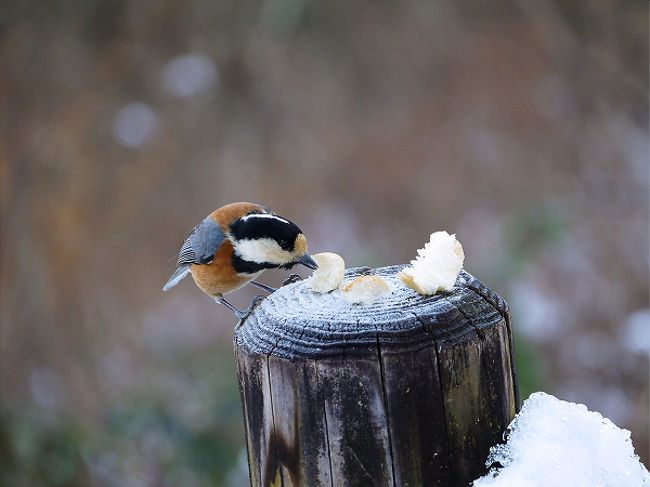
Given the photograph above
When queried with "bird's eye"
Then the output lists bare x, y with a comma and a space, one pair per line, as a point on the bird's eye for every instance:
284, 244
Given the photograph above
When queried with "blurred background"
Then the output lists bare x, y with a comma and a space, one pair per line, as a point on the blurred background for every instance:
520, 126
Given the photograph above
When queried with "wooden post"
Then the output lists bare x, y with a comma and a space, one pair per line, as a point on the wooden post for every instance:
411, 391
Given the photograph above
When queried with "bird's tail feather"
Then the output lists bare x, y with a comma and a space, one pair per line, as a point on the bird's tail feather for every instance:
178, 274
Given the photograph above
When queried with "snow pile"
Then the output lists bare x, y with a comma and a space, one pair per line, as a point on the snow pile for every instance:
558, 443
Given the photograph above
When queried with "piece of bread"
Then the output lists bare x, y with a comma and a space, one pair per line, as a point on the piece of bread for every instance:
329, 274
365, 290
437, 265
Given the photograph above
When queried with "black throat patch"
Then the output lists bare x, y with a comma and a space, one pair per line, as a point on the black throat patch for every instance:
242, 266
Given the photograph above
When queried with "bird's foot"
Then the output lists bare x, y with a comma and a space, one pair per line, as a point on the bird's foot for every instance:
239, 313
291, 279
254, 302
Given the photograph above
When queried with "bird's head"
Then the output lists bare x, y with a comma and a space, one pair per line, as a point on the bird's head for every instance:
269, 241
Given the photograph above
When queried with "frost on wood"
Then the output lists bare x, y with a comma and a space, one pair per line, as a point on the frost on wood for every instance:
437, 265
554, 442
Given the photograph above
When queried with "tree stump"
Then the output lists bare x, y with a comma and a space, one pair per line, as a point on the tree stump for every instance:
411, 391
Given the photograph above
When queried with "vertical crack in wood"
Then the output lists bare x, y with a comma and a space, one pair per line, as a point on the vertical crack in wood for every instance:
440, 387
327, 432
479, 332
385, 399
356, 457
424, 328
481, 343
513, 360
242, 389
273, 453
501, 306
302, 332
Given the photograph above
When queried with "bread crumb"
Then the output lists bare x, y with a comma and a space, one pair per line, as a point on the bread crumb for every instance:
437, 265
329, 274
365, 290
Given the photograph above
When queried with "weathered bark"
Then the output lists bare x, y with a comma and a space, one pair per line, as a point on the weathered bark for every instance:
411, 391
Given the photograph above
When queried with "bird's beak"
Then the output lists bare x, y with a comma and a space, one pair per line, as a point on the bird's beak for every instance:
307, 261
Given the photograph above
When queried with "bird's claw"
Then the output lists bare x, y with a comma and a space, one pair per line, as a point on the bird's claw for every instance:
291, 279
246, 313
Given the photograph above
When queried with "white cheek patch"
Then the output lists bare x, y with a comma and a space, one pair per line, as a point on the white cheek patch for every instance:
261, 250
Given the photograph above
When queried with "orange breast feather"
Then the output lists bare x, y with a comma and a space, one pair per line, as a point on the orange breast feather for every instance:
218, 277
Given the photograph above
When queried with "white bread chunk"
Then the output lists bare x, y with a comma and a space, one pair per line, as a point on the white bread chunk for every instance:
437, 265
365, 290
329, 274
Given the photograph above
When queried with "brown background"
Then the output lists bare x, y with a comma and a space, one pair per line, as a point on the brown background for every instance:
520, 126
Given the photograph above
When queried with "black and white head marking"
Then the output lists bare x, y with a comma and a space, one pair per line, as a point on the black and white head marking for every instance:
257, 226
266, 240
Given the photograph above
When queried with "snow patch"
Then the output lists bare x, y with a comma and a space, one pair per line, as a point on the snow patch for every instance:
560, 443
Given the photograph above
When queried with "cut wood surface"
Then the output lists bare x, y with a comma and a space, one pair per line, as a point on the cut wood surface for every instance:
410, 391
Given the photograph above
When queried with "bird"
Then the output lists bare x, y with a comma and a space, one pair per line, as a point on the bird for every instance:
233, 245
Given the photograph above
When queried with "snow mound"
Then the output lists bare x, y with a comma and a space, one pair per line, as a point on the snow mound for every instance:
559, 443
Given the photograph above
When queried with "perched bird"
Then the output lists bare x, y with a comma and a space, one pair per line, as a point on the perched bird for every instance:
233, 245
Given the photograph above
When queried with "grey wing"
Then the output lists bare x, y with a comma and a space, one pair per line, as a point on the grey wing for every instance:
202, 243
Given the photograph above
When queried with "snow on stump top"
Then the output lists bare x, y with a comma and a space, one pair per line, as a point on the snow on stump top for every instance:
411, 390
